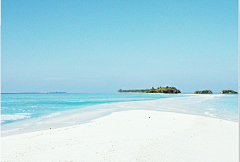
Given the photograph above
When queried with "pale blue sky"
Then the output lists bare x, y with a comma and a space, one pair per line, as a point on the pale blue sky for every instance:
103, 46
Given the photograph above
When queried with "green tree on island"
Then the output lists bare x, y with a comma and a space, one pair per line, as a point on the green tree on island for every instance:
228, 91
203, 92
160, 89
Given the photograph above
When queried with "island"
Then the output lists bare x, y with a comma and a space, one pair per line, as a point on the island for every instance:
56, 92
160, 89
228, 91
203, 92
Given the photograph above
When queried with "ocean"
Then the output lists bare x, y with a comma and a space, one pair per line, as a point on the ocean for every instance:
23, 111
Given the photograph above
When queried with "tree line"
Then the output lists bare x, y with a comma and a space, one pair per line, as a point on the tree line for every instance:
168, 89
160, 89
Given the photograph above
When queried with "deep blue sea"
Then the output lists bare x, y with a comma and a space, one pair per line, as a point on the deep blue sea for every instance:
16, 108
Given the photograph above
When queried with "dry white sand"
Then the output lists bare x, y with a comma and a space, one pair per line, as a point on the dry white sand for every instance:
135, 135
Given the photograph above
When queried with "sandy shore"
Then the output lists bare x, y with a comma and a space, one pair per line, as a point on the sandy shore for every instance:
134, 135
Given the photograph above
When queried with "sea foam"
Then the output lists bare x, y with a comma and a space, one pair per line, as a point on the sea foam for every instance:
7, 117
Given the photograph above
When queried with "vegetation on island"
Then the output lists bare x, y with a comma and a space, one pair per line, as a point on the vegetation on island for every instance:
204, 92
168, 89
153, 90
164, 90
228, 91
133, 91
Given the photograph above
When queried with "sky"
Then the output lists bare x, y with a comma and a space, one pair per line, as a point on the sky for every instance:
103, 46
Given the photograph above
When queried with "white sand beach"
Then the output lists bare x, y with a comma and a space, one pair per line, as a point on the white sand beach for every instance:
134, 135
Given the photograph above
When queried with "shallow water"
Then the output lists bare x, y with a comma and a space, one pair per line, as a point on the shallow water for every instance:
16, 107
31, 112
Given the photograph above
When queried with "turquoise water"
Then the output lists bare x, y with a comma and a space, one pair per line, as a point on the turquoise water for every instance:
22, 113
225, 107
16, 107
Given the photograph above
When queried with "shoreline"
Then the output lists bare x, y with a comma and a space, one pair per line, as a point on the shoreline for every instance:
85, 115
134, 135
